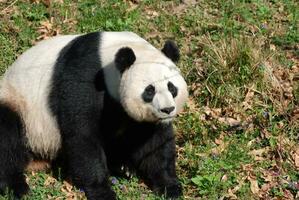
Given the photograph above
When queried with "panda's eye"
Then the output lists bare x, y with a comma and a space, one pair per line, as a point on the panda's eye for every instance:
149, 93
172, 89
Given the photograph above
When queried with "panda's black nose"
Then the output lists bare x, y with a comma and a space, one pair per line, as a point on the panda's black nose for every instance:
167, 110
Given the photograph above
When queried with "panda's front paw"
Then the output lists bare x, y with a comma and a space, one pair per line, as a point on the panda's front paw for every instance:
100, 193
171, 191
174, 191
16, 190
20, 190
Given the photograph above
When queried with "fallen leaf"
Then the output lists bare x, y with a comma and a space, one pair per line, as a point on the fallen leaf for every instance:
272, 47
229, 121
250, 93
47, 29
266, 187
150, 14
213, 112
288, 195
270, 176
47, 3
295, 114
251, 142
183, 6
231, 195
224, 178
67, 189
296, 158
220, 148
254, 185
258, 153
190, 2
49, 181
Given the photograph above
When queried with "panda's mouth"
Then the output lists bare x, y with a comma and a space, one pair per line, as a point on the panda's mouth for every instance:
165, 119
161, 118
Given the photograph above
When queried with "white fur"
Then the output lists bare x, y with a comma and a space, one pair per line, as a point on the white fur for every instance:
25, 87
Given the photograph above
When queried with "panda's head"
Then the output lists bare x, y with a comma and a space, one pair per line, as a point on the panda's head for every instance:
151, 87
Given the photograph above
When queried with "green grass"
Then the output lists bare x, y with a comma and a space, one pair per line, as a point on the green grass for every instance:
239, 132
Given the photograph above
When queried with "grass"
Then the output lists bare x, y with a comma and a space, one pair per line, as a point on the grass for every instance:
238, 136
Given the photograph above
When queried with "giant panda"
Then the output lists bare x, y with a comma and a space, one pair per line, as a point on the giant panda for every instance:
97, 101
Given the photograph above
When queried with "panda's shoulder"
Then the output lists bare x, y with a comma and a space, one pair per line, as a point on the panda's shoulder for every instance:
59, 43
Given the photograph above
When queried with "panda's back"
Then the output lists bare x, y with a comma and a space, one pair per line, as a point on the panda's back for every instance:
25, 87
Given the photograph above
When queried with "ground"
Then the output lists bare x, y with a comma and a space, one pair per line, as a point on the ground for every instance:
238, 135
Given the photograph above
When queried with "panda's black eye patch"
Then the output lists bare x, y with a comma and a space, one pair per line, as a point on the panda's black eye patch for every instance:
172, 89
149, 93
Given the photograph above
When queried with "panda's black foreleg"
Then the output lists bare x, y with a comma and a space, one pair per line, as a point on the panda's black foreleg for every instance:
87, 167
155, 163
14, 155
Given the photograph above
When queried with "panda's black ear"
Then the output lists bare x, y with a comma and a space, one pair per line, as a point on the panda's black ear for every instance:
124, 58
171, 50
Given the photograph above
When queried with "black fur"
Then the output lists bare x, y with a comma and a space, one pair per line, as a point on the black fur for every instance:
77, 104
171, 50
148, 94
172, 89
13, 154
124, 58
